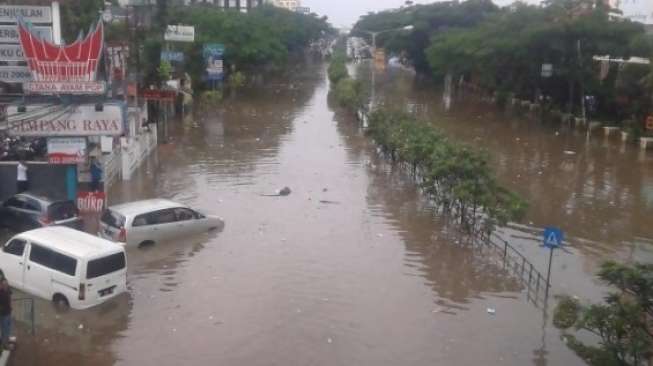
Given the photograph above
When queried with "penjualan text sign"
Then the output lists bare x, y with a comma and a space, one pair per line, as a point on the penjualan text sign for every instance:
83, 120
32, 14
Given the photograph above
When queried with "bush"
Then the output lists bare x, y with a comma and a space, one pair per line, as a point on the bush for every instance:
337, 69
456, 177
349, 94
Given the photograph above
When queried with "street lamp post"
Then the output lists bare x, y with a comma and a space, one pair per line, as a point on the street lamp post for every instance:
374, 34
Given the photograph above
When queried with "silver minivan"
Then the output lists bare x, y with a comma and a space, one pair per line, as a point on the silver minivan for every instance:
152, 221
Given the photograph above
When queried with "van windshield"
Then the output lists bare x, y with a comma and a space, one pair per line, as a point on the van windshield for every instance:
113, 219
103, 266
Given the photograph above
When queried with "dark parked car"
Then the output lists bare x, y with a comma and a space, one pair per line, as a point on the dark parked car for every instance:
27, 211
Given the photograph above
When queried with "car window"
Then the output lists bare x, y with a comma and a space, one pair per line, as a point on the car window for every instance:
113, 219
32, 205
15, 247
141, 220
184, 214
53, 260
161, 217
41, 255
102, 266
14, 202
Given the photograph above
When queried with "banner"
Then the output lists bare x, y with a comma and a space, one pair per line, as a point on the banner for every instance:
41, 120
91, 202
66, 150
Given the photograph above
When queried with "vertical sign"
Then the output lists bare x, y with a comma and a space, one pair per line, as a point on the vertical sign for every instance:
213, 56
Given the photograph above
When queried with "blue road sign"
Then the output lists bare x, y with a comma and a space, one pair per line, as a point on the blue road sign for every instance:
553, 237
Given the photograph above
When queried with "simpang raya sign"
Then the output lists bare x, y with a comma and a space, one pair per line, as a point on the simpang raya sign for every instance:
83, 120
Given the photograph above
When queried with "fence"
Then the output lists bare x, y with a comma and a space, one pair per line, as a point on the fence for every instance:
23, 312
534, 281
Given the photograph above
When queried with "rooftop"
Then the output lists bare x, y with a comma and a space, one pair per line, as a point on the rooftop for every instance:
69, 241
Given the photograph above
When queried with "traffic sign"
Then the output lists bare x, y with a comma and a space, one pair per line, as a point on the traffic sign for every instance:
553, 237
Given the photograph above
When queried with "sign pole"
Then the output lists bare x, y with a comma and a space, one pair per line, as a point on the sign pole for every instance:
548, 274
56, 23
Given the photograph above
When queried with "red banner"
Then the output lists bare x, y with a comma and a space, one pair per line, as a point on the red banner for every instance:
91, 201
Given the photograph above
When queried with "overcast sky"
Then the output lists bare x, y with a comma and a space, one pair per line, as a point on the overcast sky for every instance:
346, 12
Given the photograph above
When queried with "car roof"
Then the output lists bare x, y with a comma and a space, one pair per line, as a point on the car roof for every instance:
144, 206
41, 198
69, 241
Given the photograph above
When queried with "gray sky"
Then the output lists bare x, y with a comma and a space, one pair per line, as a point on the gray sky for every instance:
346, 12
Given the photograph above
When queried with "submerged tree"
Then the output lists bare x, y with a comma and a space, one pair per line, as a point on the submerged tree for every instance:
622, 322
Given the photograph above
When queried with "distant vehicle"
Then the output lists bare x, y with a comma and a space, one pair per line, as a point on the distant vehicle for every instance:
152, 221
26, 211
67, 266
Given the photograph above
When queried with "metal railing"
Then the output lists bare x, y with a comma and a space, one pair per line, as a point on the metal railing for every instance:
533, 280
23, 312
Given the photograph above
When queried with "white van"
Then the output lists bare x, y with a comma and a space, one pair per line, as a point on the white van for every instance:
66, 266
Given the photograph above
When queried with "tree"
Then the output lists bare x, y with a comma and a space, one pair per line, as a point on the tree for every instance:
622, 322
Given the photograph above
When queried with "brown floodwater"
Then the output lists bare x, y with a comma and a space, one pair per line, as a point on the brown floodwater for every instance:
354, 267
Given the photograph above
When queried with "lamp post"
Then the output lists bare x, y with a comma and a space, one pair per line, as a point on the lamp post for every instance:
374, 34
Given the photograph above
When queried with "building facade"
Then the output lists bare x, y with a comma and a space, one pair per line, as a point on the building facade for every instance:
242, 5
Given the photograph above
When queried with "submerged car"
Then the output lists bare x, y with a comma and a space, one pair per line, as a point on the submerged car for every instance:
153, 221
67, 266
26, 211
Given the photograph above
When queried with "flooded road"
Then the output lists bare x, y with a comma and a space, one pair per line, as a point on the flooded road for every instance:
352, 268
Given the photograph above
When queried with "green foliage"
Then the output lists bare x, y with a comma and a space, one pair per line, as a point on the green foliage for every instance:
503, 49
77, 16
621, 322
164, 70
456, 177
349, 94
337, 68
211, 97
236, 80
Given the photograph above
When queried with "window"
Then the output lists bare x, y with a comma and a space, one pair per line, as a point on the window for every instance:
53, 260
14, 203
32, 205
102, 266
113, 219
64, 263
15, 247
184, 214
140, 220
40, 255
62, 210
161, 217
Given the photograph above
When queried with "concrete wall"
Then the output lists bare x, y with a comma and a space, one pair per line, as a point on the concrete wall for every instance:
49, 180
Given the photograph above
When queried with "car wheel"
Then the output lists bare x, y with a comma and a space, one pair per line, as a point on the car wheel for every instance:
60, 302
146, 243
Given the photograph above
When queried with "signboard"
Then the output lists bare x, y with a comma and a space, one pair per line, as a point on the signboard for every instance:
11, 52
179, 33
91, 202
547, 70
553, 237
32, 14
52, 65
172, 56
40, 120
157, 94
15, 74
213, 55
9, 33
61, 87
66, 150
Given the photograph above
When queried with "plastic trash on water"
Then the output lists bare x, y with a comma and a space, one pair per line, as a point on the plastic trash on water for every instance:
491, 311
